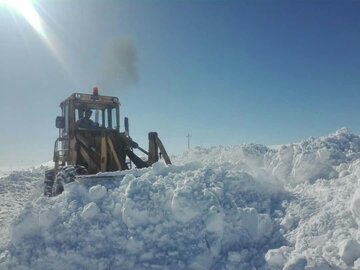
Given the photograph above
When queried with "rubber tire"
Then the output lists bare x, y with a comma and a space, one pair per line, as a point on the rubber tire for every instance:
49, 182
66, 175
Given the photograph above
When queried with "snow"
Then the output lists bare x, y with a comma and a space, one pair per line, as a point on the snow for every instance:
90, 211
349, 251
276, 258
97, 192
16, 189
290, 207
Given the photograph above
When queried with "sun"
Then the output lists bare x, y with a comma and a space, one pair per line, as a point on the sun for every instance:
27, 10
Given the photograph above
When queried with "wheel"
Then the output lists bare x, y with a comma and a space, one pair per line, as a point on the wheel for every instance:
49, 182
66, 175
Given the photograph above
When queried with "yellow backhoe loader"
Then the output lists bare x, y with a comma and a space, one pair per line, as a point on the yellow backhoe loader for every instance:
90, 141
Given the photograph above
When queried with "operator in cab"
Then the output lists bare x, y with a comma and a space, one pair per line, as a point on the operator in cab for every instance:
86, 122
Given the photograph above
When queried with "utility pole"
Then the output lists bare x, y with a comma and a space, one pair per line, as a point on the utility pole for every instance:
188, 137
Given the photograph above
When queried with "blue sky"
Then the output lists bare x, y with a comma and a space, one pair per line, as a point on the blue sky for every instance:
227, 72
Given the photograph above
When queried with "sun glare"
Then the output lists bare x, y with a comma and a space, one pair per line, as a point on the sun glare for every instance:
27, 10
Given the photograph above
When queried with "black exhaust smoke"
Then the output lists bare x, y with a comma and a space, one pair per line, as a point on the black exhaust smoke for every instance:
118, 64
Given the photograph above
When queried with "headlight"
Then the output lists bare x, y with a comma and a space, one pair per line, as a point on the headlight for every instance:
115, 99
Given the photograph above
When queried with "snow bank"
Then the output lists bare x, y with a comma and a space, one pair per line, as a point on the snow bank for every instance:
320, 221
176, 217
316, 158
243, 207
16, 189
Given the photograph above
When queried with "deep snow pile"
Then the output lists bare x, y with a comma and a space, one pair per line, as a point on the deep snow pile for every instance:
16, 189
176, 217
241, 207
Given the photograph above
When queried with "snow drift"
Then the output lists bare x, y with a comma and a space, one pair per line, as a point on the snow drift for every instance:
240, 207
177, 217
16, 189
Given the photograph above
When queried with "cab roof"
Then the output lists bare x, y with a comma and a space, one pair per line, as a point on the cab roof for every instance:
91, 101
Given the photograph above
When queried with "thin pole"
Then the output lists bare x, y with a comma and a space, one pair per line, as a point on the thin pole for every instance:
188, 137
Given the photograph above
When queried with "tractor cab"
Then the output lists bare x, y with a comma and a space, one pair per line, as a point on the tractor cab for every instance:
104, 113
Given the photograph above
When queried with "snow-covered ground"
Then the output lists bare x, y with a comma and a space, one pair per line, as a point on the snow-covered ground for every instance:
289, 207
16, 189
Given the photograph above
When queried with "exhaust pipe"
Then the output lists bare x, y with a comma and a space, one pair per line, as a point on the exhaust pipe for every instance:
126, 124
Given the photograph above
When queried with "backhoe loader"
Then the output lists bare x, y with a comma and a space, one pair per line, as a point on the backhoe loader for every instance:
90, 141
